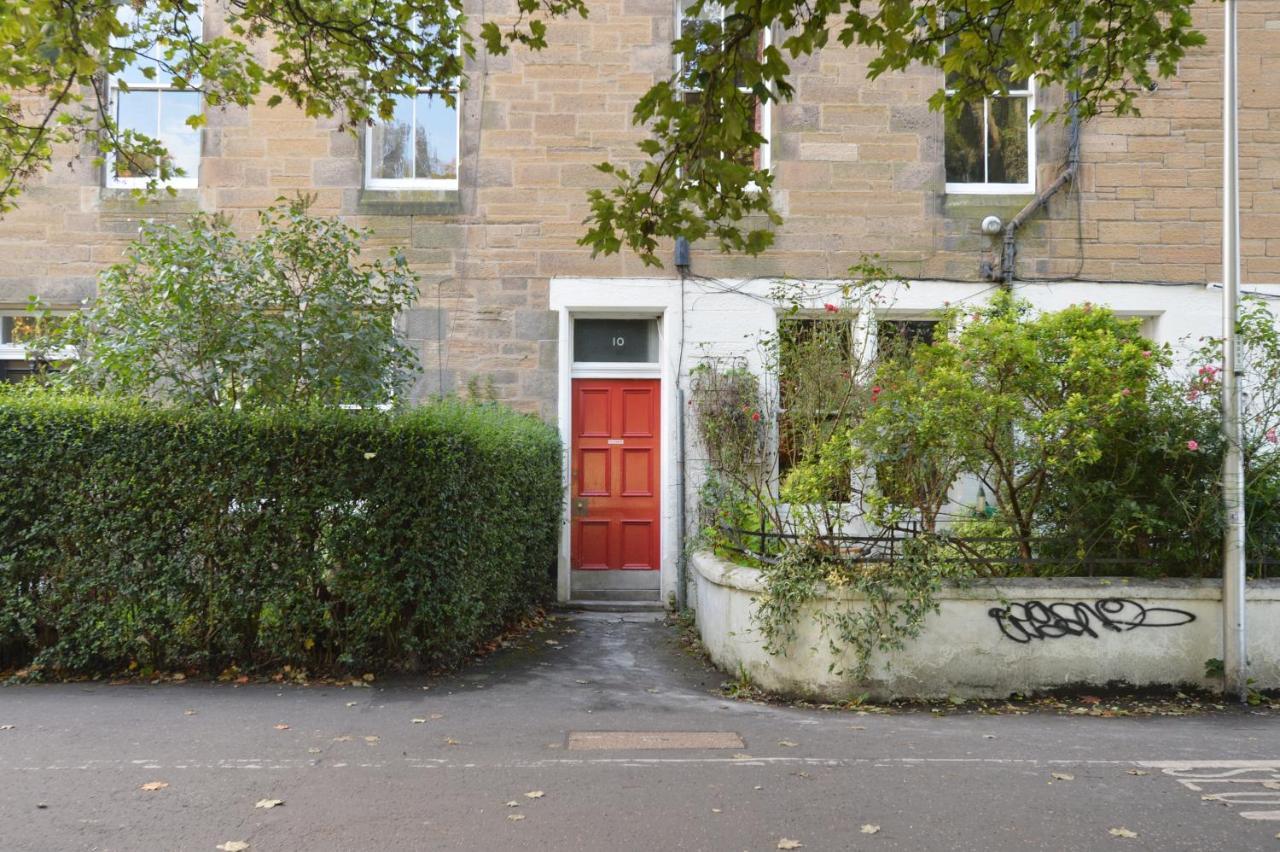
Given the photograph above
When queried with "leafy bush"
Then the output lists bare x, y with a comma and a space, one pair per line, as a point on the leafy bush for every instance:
175, 538
200, 315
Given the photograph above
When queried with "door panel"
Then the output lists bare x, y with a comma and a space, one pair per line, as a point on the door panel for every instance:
615, 455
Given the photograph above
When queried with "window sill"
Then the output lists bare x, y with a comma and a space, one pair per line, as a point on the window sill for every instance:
117, 199
409, 202
970, 203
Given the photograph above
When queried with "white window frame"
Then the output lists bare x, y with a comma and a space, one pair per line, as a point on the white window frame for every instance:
388, 184
188, 181
985, 187
766, 108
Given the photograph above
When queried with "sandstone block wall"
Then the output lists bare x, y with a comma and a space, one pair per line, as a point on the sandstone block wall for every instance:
859, 170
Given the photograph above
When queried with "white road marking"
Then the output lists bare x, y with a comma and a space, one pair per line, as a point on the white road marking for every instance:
1231, 782
1194, 772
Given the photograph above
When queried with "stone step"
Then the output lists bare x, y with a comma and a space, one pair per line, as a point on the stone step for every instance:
612, 606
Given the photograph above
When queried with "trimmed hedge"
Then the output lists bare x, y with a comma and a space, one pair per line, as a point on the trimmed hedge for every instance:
176, 539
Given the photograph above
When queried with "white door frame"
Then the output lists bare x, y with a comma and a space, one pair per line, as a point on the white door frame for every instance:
620, 299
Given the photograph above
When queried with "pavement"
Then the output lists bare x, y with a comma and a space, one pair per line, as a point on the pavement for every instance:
601, 733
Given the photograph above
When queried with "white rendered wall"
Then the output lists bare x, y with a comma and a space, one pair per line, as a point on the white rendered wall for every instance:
727, 318
962, 651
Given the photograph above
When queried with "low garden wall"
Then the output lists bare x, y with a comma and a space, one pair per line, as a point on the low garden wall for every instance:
992, 638
161, 538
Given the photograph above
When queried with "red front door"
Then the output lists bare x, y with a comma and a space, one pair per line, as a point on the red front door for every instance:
615, 474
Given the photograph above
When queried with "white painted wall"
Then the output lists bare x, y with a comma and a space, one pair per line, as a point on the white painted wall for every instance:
962, 651
727, 319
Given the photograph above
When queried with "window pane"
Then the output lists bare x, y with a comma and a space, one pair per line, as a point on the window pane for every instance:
139, 112
896, 337
704, 32
134, 71
389, 142
23, 329
435, 139
182, 141
1007, 141
963, 143
749, 155
815, 360
616, 340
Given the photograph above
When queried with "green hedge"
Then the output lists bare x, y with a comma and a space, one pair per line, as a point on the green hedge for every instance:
179, 539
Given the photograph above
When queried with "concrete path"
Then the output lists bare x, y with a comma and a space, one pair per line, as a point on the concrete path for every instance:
453, 764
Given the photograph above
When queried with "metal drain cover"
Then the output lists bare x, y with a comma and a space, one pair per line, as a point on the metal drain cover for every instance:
640, 740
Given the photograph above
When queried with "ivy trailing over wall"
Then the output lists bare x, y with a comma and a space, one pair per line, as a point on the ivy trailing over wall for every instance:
898, 595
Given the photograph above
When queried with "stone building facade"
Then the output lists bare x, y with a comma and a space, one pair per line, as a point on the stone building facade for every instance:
860, 168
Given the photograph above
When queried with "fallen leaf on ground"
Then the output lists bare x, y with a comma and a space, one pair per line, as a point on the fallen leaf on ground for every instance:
552, 642
787, 744
513, 804
313, 751
341, 739
870, 828
534, 794
6, 727
1062, 776
352, 703
1122, 832
788, 843
580, 681
368, 678
154, 785
188, 712
436, 716
515, 817
372, 740
418, 721
1137, 772
282, 727
233, 846
715, 810
450, 741
1090, 699
857, 727
268, 804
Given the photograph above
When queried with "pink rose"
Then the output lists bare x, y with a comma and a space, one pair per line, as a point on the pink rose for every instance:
1192, 446
831, 309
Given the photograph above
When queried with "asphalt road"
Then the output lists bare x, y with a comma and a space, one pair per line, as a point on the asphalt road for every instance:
434, 764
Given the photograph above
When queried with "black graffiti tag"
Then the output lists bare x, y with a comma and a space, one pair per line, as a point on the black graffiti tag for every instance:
1023, 622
